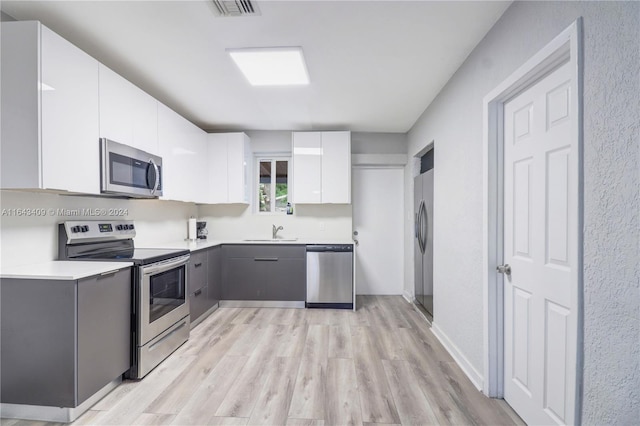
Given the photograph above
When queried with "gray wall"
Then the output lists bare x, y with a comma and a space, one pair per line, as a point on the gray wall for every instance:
4, 17
611, 191
378, 143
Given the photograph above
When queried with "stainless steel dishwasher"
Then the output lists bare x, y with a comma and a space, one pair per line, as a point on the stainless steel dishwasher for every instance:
330, 276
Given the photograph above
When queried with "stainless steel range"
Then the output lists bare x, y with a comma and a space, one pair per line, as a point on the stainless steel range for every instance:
160, 307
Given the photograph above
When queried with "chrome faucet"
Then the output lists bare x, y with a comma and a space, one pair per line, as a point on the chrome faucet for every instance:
275, 231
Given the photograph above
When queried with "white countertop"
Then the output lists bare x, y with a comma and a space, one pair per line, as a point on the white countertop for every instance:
61, 270
74, 270
203, 244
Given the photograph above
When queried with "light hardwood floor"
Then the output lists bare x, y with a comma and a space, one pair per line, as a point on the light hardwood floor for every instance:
379, 365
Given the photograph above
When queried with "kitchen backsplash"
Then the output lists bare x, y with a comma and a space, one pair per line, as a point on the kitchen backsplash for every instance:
29, 234
324, 221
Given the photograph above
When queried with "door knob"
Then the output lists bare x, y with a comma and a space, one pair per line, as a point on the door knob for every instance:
504, 269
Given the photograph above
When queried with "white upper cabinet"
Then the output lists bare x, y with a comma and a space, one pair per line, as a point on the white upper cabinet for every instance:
128, 115
229, 168
183, 148
336, 167
321, 167
307, 167
49, 111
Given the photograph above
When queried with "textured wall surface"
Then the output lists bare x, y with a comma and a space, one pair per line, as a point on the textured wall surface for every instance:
611, 215
611, 188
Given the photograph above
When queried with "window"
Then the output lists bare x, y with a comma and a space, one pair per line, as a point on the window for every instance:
273, 185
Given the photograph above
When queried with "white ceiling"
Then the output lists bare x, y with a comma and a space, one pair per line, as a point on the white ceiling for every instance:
374, 65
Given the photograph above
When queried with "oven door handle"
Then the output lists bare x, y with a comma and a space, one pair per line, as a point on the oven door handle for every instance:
156, 268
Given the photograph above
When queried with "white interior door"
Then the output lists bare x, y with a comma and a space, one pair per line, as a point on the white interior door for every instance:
378, 200
540, 245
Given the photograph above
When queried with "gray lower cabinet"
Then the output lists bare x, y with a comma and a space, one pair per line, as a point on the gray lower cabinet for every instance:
214, 272
264, 272
62, 341
243, 279
197, 284
204, 282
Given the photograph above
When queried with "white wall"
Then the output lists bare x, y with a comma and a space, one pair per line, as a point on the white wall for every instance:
611, 191
270, 141
322, 222
34, 239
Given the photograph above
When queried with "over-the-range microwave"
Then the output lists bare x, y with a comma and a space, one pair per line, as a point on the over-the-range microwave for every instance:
129, 172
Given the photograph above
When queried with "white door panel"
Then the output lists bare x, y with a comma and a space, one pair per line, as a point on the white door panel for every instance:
540, 243
377, 217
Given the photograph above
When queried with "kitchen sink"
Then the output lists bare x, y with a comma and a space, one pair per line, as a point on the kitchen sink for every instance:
270, 240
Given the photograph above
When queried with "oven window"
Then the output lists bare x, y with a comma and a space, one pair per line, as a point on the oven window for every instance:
167, 292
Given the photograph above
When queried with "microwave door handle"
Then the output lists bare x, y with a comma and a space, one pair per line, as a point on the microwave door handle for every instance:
157, 176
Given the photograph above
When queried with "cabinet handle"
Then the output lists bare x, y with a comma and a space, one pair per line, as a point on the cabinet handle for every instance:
197, 265
105, 274
265, 259
198, 292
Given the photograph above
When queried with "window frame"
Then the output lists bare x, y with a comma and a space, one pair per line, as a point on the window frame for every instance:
273, 158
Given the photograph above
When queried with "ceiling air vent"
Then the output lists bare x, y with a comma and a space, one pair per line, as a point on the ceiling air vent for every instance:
236, 7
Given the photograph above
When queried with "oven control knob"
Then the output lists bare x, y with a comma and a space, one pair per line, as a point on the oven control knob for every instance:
131, 226
85, 228
75, 229
127, 227
118, 227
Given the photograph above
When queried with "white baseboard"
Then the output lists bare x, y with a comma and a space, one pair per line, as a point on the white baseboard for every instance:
408, 297
473, 374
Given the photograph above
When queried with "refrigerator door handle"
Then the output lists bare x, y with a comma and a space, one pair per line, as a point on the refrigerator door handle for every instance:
421, 240
425, 223
418, 216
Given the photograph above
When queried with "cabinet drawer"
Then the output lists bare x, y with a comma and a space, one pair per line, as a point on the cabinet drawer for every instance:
197, 271
198, 303
283, 279
265, 251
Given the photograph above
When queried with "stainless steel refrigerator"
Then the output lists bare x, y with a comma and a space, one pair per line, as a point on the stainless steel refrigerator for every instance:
423, 241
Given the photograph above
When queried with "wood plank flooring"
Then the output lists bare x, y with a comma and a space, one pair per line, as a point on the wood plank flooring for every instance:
379, 365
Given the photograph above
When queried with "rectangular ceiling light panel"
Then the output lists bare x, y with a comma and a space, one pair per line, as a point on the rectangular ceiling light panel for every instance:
272, 66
